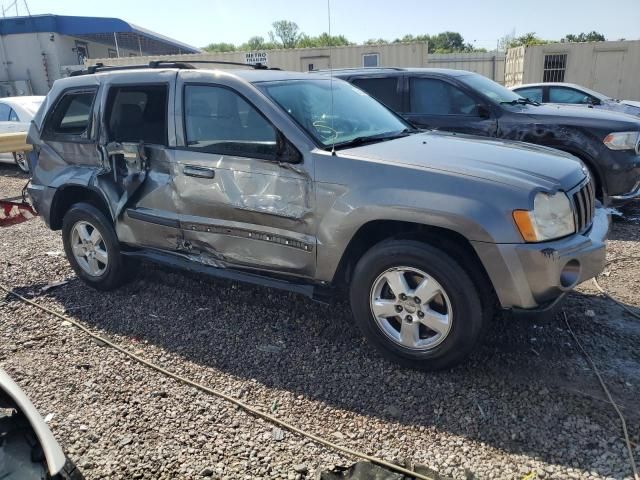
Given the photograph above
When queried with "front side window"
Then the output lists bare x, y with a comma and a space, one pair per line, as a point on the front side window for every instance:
429, 96
333, 111
532, 93
72, 115
219, 120
370, 59
383, 89
568, 95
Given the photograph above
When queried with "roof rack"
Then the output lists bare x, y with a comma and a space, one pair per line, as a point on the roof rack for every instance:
101, 67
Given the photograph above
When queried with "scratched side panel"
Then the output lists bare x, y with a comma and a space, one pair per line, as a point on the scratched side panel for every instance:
255, 213
157, 199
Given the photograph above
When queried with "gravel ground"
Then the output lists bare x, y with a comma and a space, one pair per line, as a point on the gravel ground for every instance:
525, 402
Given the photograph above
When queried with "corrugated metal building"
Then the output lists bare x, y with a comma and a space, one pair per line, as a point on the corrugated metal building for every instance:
306, 59
612, 68
36, 50
489, 64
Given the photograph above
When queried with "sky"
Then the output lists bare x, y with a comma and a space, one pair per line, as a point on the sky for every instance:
481, 22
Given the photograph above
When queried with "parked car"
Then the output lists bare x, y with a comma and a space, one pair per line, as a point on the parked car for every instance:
28, 449
572, 94
465, 102
15, 116
294, 181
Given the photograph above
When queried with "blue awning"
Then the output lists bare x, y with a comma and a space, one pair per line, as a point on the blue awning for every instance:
97, 29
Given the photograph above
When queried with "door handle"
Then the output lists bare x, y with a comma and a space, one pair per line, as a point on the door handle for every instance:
198, 171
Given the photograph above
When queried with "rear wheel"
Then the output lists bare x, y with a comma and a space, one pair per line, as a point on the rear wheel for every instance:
416, 304
21, 161
92, 247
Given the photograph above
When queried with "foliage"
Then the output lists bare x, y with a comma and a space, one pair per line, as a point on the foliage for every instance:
220, 47
287, 32
592, 36
511, 41
444, 42
323, 40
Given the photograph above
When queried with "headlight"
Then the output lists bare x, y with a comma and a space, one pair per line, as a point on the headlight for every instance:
550, 218
622, 140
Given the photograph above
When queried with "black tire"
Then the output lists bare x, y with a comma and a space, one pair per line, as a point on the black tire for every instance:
116, 271
467, 319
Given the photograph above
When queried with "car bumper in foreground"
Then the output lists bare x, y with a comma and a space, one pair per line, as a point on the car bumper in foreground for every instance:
533, 275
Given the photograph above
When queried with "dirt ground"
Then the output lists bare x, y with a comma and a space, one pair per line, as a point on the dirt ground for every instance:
526, 403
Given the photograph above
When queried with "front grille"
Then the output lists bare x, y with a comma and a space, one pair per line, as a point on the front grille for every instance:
584, 206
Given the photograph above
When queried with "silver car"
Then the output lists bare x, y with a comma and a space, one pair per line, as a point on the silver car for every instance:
577, 95
306, 183
16, 114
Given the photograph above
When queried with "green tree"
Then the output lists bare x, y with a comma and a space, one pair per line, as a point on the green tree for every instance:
220, 47
255, 43
510, 41
592, 36
286, 31
322, 40
377, 41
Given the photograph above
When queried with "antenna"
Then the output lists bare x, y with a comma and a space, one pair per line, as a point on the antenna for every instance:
333, 140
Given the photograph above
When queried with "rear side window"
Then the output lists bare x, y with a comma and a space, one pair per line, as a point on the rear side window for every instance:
218, 120
13, 116
532, 93
429, 96
138, 114
71, 117
384, 90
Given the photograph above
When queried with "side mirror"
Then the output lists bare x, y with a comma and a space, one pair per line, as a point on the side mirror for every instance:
593, 101
482, 111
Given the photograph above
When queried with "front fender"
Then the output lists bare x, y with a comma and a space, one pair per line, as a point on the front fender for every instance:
352, 210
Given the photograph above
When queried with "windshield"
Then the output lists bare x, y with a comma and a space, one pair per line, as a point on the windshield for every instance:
494, 91
356, 115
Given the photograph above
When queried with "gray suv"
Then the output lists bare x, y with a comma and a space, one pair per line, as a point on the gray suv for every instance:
306, 183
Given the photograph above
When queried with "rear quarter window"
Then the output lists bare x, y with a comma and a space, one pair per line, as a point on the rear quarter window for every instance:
71, 117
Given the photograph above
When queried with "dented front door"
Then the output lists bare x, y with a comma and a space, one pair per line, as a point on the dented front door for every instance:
240, 206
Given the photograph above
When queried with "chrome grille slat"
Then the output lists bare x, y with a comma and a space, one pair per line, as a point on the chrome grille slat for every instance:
584, 206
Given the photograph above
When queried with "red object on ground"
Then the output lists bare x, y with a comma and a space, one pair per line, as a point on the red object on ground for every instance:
12, 213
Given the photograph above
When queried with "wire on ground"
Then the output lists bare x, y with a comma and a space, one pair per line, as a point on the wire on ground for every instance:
224, 396
606, 391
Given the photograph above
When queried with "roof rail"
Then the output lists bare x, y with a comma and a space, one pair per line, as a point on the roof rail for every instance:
347, 69
101, 67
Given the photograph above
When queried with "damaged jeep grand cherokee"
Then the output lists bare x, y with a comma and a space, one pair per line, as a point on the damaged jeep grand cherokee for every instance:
307, 183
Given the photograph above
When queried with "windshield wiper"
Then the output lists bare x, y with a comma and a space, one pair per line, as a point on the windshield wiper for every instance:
380, 137
520, 101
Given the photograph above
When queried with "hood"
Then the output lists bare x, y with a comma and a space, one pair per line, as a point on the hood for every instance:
520, 165
580, 116
633, 103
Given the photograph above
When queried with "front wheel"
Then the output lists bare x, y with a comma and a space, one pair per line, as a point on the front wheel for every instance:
416, 305
21, 161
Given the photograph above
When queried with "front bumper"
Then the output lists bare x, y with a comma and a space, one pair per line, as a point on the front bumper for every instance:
621, 176
621, 199
531, 275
